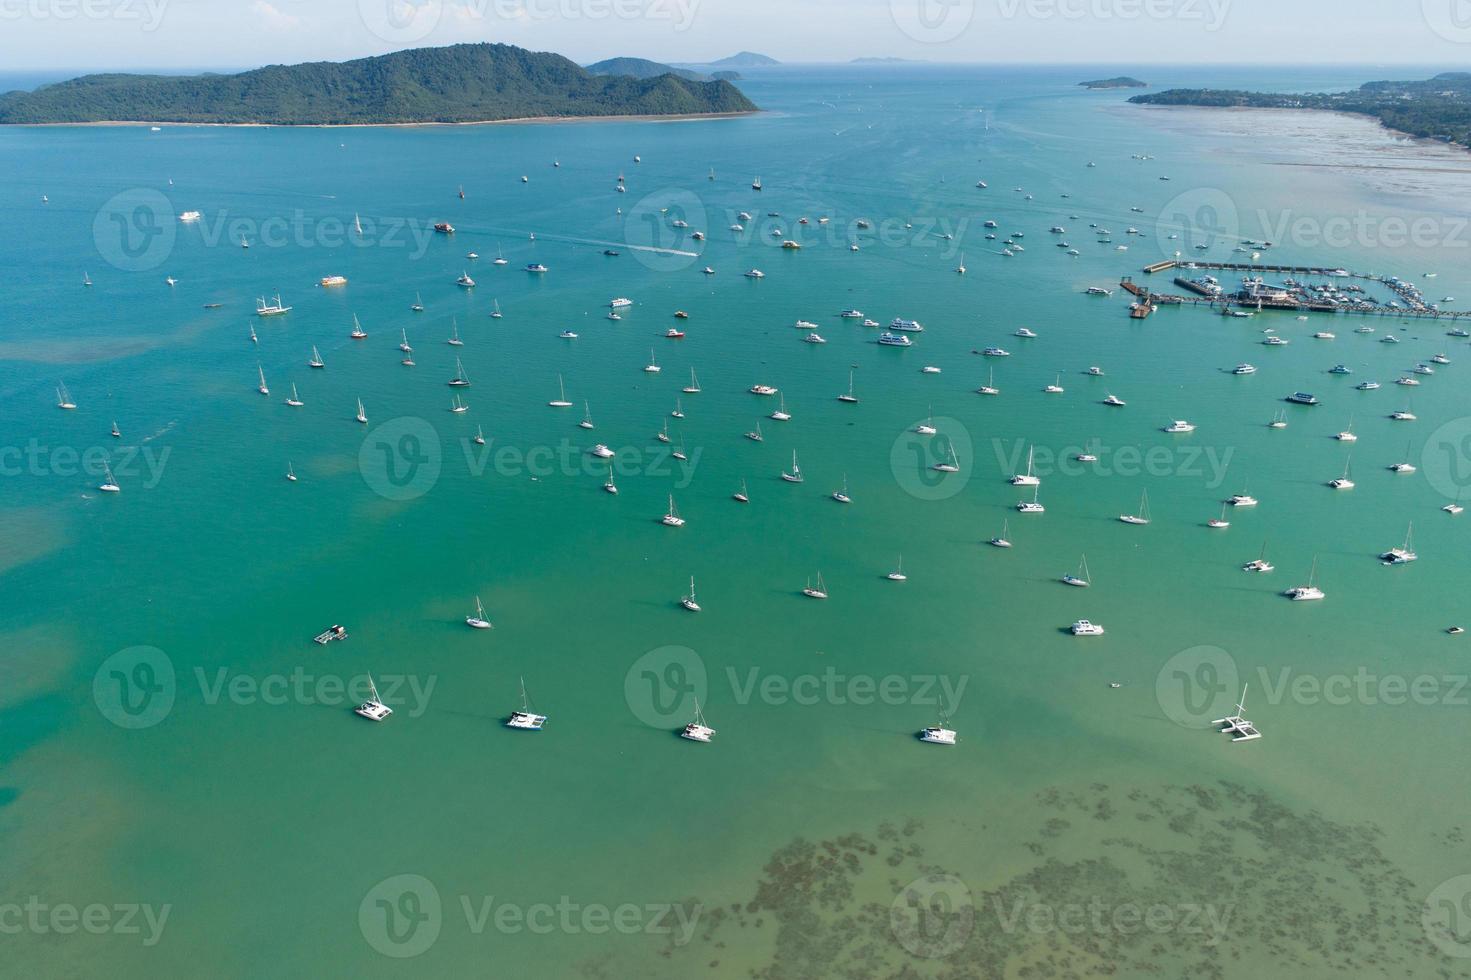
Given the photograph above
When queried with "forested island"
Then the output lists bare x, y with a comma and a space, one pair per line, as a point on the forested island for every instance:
463, 83
1122, 81
1436, 108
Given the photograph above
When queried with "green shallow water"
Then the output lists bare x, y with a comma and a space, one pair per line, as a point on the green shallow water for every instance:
265, 822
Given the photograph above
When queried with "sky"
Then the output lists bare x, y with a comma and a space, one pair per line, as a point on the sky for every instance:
230, 34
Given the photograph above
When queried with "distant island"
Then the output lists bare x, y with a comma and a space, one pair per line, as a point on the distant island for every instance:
1438, 108
885, 61
1123, 81
643, 68
745, 59
464, 83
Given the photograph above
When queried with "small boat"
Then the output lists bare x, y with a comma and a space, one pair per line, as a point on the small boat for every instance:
500, 258
671, 518
465, 282
116, 432
362, 415
1032, 506
295, 400
1056, 387
989, 388
478, 620
358, 333
848, 396
109, 484
609, 486
525, 719
454, 335
561, 400
740, 495
755, 435
950, 464
316, 359
1219, 523
653, 366
1094, 371
755, 274
1084, 628
689, 601
1143, 516
1279, 421
458, 407
290, 473
815, 592
479, 439
536, 268
1343, 482
781, 414
674, 333
995, 352
897, 575
1309, 592
693, 388
1114, 400
586, 422
1001, 540
1260, 563
1179, 426
939, 734
373, 709
679, 453
1402, 555
678, 411
262, 387
1082, 579
461, 379
418, 306
795, 476
697, 730
760, 389
253, 338
841, 496
567, 335
1025, 332
64, 398
1029, 478
403, 344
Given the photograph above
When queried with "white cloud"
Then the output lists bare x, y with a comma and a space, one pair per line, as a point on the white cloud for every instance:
274, 18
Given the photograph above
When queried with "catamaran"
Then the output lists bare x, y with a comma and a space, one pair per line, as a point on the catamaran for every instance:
1343, 482
1236, 725
373, 709
989, 388
1032, 506
939, 734
1402, 555
1309, 592
1029, 478
525, 719
672, 518
478, 621
697, 730
1260, 563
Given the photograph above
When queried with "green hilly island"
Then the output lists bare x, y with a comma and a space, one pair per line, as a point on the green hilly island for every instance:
459, 84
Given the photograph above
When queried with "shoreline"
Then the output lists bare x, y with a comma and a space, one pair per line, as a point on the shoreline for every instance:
1421, 140
519, 120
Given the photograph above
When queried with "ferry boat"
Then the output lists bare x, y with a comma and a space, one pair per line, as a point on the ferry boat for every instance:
894, 340
906, 326
328, 281
1302, 398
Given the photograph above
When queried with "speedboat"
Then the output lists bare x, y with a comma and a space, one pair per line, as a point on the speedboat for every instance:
995, 352
755, 274
1241, 500
1114, 400
465, 281
1178, 426
1084, 628
1340, 369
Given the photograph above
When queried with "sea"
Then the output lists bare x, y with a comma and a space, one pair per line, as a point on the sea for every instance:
186, 787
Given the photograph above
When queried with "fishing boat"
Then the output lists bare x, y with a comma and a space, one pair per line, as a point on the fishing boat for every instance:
689, 601
1402, 555
815, 592
478, 620
1309, 592
524, 718
295, 400
561, 400
373, 709
671, 518
795, 476
1143, 516
460, 380
697, 730
1082, 579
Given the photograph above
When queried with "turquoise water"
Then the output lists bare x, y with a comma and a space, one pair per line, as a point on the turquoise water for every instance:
266, 822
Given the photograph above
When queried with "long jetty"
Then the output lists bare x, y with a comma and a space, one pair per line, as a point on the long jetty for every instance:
1416, 308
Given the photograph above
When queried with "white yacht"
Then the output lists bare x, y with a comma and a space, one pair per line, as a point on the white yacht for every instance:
1114, 400
795, 476
1367, 386
295, 400
561, 400
525, 719
1241, 500
697, 730
1404, 554
1029, 478
458, 407
781, 414
1029, 507
1001, 540
403, 344
602, 452
689, 601
358, 333
1143, 516
461, 379
478, 621
841, 496
672, 518
1025, 332
1348, 435
818, 591
465, 282
1309, 592
1244, 368
939, 734
1084, 628
109, 484
1179, 426
897, 575
1082, 579
373, 709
